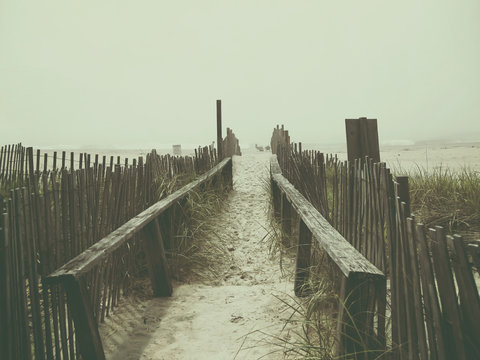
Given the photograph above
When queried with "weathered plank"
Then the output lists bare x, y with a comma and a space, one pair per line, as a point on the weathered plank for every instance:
420, 339
455, 344
362, 139
469, 299
347, 258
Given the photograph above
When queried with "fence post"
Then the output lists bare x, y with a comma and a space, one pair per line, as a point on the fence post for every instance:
286, 217
86, 327
227, 174
404, 193
156, 259
219, 131
303, 258
362, 139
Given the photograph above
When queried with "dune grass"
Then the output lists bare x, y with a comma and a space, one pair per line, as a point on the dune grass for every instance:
315, 339
195, 247
190, 252
445, 197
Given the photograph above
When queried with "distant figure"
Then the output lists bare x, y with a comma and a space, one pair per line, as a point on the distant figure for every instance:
259, 148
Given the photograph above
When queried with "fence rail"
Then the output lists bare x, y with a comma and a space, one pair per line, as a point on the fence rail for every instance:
52, 213
362, 291
73, 276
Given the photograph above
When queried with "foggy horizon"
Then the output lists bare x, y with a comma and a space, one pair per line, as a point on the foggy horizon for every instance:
127, 74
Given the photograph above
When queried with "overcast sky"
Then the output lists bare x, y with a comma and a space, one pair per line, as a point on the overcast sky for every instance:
133, 73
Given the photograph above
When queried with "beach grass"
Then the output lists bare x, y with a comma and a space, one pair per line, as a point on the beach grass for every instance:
195, 247
315, 339
445, 197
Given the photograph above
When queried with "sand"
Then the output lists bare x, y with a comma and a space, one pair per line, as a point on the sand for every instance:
229, 317
233, 316
426, 156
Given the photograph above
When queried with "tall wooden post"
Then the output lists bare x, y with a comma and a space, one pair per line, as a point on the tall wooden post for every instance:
362, 139
404, 193
219, 130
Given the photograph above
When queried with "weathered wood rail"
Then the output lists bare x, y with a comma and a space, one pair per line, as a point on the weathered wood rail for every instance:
72, 276
361, 315
433, 297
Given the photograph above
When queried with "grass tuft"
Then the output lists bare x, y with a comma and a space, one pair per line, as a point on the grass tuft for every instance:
196, 247
445, 197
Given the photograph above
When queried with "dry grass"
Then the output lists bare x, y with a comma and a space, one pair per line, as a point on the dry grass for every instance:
446, 197
315, 339
189, 251
195, 247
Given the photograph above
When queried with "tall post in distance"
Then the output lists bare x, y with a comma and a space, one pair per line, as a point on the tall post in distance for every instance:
362, 139
219, 130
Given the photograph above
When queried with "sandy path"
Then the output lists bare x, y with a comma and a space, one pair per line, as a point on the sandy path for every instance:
222, 320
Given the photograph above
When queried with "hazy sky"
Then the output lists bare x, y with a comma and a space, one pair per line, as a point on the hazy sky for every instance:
139, 72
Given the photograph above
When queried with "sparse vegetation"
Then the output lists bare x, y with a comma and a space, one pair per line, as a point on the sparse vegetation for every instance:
192, 251
446, 197
316, 339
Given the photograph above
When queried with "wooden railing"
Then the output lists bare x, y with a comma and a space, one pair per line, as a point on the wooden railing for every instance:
433, 294
58, 206
362, 297
74, 276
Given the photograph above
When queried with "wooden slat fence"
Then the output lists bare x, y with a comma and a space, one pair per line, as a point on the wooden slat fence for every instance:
18, 163
80, 276
231, 145
433, 303
361, 313
279, 137
12, 162
58, 213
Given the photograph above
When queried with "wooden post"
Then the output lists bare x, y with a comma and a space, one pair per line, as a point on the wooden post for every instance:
86, 328
362, 139
38, 162
404, 193
72, 161
219, 131
157, 261
276, 196
227, 174
286, 217
303, 258
63, 159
